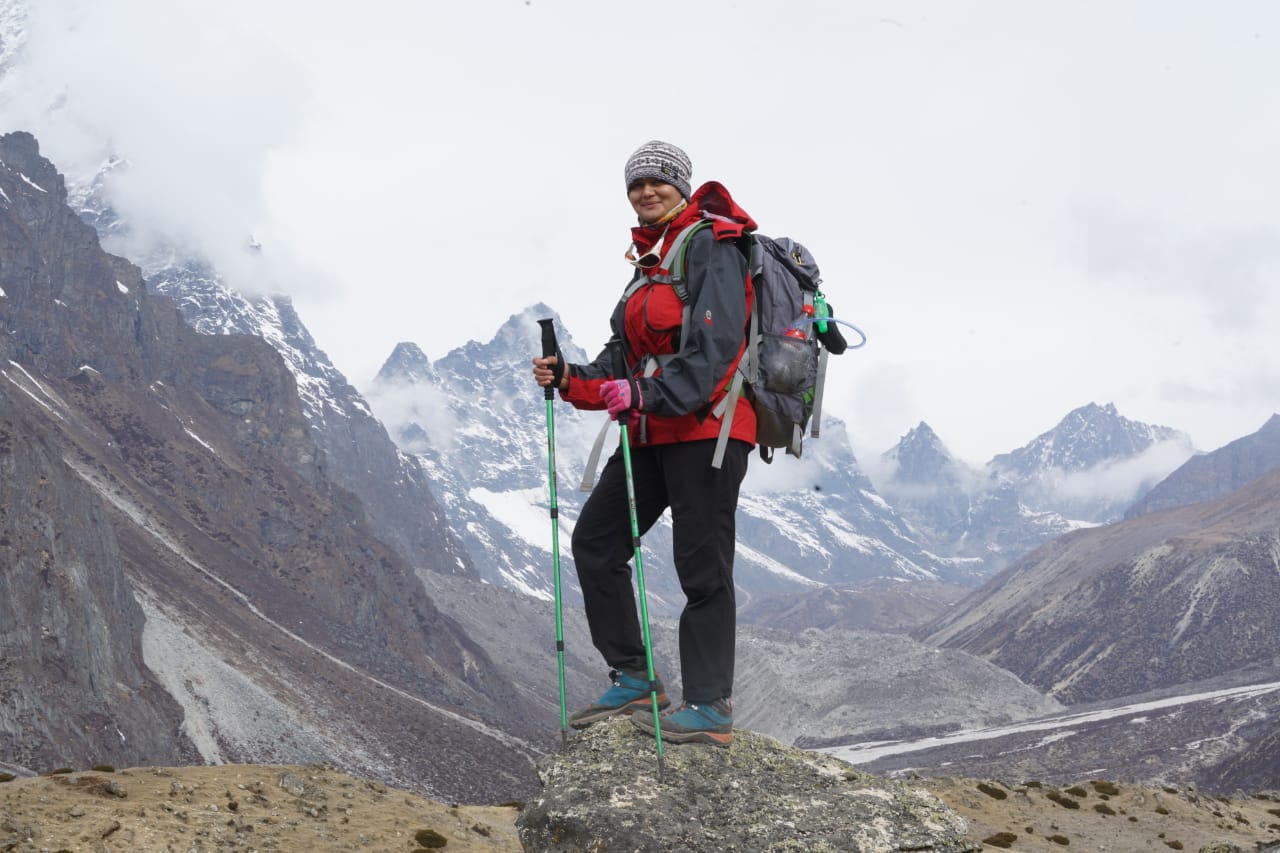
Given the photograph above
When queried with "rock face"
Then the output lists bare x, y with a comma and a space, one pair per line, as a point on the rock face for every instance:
68, 619
357, 454
601, 792
180, 575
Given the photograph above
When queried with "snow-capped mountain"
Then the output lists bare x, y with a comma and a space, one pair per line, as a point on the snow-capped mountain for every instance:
929, 486
1087, 437
1092, 464
479, 424
961, 511
1084, 471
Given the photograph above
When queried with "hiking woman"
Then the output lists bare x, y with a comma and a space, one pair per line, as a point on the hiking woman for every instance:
674, 402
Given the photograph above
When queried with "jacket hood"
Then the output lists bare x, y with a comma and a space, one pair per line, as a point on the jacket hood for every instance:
709, 201
713, 201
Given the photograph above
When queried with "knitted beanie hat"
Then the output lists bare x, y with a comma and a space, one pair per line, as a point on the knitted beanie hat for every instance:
661, 161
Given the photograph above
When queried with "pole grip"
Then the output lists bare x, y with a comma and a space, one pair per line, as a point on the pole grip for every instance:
548, 336
549, 348
618, 359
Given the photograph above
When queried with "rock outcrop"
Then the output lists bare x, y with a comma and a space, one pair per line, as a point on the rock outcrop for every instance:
602, 793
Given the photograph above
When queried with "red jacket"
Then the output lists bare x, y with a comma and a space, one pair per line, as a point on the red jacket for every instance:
680, 397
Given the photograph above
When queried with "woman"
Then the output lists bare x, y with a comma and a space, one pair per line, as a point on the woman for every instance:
671, 398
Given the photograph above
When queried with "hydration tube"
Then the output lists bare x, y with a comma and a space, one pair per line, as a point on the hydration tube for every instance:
803, 321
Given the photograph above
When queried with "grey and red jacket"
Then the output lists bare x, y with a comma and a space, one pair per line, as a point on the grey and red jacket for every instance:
681, 396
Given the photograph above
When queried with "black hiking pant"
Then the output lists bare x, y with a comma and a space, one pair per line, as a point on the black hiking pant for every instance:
703, 502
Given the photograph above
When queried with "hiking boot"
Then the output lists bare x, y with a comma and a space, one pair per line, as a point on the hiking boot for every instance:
694, 722
630, 692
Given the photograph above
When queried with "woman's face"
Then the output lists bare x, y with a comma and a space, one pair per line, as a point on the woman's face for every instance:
653, 199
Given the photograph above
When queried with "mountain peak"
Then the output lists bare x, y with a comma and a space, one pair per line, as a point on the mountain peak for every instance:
406, 363
919, 456
1087, 436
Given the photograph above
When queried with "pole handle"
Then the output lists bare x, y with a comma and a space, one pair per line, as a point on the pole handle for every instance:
548, 336
618, 358
549, 348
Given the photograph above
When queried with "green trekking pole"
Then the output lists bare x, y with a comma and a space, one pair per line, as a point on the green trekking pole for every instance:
620, 372
549, 348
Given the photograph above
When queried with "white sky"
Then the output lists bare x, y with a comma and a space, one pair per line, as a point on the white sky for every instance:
1028, 206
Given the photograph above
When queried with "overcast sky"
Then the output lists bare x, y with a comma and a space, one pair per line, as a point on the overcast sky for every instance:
1028, 206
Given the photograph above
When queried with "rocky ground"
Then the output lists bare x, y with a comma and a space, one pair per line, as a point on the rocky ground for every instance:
313, 808
237, 807
1099, 815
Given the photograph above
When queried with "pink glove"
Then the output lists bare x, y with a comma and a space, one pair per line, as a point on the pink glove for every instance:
622, 398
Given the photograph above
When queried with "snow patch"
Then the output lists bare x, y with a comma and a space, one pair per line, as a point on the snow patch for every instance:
206, 445
750, 555
1208, 582
524, 512
50, 398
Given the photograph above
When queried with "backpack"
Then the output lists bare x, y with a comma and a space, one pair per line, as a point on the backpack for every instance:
783, 370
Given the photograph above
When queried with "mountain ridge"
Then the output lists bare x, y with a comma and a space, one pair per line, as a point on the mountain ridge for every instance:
186, 483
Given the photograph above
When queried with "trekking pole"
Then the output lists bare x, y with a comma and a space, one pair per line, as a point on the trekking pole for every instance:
549, 348
620, 372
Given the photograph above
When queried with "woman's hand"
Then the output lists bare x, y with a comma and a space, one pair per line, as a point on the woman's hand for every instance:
548, 370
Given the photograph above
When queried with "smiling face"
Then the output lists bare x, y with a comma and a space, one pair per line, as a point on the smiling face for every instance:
653, 199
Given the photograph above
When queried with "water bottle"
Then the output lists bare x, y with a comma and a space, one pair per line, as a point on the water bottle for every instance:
821, 312
799, 328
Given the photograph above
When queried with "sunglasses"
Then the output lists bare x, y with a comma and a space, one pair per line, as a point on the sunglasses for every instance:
651, 258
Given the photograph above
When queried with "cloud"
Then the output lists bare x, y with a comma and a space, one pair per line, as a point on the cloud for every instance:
402, 406
1119, 482
1230, 271
197, 101
1021, 208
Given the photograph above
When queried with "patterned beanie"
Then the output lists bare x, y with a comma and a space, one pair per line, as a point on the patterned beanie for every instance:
662, 161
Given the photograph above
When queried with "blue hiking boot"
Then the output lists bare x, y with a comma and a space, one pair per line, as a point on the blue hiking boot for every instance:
630, 692
694, 722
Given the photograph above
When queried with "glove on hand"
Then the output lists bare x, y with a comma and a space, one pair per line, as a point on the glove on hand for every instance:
831, 338
622, 398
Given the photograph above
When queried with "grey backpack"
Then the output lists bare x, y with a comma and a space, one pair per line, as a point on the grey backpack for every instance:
785, 364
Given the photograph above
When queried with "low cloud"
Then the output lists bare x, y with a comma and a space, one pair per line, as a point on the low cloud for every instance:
402, 407
1119, 482
197, 102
